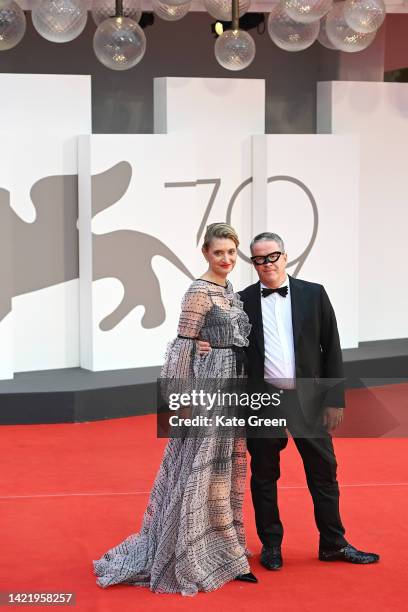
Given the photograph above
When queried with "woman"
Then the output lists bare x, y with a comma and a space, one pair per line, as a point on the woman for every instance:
192, 536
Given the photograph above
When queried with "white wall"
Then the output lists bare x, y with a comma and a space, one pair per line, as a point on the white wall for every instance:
147, 220
40, 116
310, 198
209, 106
195, 174
378, 113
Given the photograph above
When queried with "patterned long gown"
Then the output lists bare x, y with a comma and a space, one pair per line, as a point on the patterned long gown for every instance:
192, 535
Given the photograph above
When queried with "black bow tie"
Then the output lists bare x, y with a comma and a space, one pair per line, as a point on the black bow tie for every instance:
283, 291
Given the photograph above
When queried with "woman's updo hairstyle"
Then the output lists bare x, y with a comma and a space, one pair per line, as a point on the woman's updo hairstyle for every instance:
219, 230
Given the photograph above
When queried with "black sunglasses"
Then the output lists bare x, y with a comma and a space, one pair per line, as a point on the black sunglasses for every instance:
259, 260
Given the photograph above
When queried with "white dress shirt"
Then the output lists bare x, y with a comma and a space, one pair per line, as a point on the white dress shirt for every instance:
278, 338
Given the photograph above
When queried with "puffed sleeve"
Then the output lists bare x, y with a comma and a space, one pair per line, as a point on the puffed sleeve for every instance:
181, 351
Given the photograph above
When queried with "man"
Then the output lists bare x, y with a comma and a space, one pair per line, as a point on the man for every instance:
294, 347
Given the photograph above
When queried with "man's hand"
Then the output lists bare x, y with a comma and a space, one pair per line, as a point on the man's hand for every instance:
203, 347
332, 417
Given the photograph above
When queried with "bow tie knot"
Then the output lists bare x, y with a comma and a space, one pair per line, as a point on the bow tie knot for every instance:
283, 291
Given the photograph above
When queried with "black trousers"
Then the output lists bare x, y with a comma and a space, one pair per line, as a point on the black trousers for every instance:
316, 449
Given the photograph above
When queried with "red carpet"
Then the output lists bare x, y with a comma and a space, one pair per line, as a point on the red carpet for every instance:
70, 492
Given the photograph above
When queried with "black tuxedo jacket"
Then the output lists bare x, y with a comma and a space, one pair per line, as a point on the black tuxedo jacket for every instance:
318, 358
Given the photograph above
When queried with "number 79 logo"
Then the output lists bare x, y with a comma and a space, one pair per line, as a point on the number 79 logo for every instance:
216, 182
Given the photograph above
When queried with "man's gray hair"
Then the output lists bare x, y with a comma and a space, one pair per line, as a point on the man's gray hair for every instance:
268, 236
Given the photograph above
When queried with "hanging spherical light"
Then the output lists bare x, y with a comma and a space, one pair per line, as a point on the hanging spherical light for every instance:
103, 9
12, 25
170, 12
288, 34
364, 16
119, 43
235, 49
323, 38
306, 11
59, 20
222, 9
341, 35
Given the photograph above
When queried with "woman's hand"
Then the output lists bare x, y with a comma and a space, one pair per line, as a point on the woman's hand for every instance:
203, 347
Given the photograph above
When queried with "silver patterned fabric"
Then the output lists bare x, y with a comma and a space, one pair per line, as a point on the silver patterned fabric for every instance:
192, 535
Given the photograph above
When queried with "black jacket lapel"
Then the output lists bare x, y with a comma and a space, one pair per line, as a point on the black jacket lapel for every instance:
296, 299
254, 312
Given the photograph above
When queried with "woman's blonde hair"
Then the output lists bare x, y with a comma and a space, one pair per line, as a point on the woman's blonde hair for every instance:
219, 230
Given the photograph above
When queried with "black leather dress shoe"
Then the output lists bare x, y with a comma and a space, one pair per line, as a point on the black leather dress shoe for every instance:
349, 554
271, 558
247, 577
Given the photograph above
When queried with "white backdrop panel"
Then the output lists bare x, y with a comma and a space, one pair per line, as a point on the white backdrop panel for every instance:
150, 231
39, 138
378, 113
209, 106
311, 201
6, 347
6, 269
